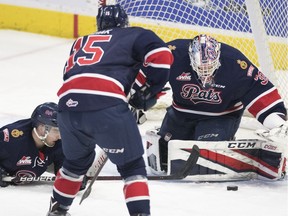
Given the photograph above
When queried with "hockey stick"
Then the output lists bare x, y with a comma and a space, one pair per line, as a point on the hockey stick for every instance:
28, 179
102, 159
192, 160
190, 163
97, 167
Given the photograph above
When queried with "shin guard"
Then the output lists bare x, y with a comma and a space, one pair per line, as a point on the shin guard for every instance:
136, 194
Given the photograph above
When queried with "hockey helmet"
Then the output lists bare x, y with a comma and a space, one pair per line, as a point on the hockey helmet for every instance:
111, 16
204, 53
45, 113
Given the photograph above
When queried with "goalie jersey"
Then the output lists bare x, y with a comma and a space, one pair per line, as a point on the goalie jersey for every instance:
237, 84
19, 155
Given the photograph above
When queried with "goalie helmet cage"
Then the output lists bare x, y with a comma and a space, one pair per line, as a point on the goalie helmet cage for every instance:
256, 27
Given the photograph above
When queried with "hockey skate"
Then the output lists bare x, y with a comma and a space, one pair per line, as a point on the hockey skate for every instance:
55, 209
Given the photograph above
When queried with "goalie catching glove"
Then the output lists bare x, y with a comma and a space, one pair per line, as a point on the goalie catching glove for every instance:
277, 134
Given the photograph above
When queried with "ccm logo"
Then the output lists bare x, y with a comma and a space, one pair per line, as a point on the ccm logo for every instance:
242, 145
113, 151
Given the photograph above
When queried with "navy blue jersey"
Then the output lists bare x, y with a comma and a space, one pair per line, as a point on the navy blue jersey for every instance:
103, 66
19, 154
236, 85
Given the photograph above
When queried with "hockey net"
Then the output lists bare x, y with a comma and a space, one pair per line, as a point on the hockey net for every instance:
256, 27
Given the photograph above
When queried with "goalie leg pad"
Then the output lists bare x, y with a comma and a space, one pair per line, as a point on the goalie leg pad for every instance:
229, 160
153, 152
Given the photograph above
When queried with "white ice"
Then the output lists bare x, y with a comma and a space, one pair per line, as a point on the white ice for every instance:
31, 73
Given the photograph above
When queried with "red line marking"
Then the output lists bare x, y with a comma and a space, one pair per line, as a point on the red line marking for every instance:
75, 26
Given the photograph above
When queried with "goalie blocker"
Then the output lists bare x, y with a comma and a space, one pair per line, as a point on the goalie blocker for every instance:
220, 160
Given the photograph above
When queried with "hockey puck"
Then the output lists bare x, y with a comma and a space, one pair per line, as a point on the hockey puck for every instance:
232, 188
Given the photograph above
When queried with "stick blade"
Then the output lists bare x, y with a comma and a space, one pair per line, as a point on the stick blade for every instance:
85, 194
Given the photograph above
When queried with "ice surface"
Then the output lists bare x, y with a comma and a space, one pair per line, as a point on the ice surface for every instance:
31, 73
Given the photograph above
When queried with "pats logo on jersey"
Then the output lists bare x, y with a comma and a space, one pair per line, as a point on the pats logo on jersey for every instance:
184, 77
195, 94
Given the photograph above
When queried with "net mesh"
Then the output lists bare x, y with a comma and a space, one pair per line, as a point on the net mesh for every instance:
226, 20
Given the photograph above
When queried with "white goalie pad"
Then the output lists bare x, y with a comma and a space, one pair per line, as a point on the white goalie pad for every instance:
152, 151
229, 160
220, 160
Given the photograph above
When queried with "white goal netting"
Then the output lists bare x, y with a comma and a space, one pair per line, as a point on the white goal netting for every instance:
257, 27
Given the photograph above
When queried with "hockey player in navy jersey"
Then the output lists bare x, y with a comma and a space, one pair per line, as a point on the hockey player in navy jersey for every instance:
212, 84
93, 106
29, 146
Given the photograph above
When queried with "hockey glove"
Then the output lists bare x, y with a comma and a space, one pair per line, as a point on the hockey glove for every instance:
142, 99
139, 115
278, 135
163, 92
3, 173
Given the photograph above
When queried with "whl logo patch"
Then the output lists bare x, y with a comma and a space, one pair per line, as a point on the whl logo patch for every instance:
184, 77
24, 161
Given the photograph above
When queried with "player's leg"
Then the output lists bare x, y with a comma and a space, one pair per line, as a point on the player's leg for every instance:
173, 127
136, 190
79, 154
124, 147
217, 128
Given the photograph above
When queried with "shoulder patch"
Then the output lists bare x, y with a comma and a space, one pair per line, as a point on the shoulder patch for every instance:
16, 133
250, 71
242, 64
172, 47
6, 135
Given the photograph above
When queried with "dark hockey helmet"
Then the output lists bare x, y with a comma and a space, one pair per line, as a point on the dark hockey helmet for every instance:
45, 113
111, 16
204, 53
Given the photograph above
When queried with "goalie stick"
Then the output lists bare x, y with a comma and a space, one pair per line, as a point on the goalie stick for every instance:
191, 161
183, 173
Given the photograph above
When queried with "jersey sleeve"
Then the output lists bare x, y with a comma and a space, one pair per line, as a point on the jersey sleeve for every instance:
262, 97
157, 60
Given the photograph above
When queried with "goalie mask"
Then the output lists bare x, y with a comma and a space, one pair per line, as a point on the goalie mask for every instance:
45, 114
204, 53
111, 16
